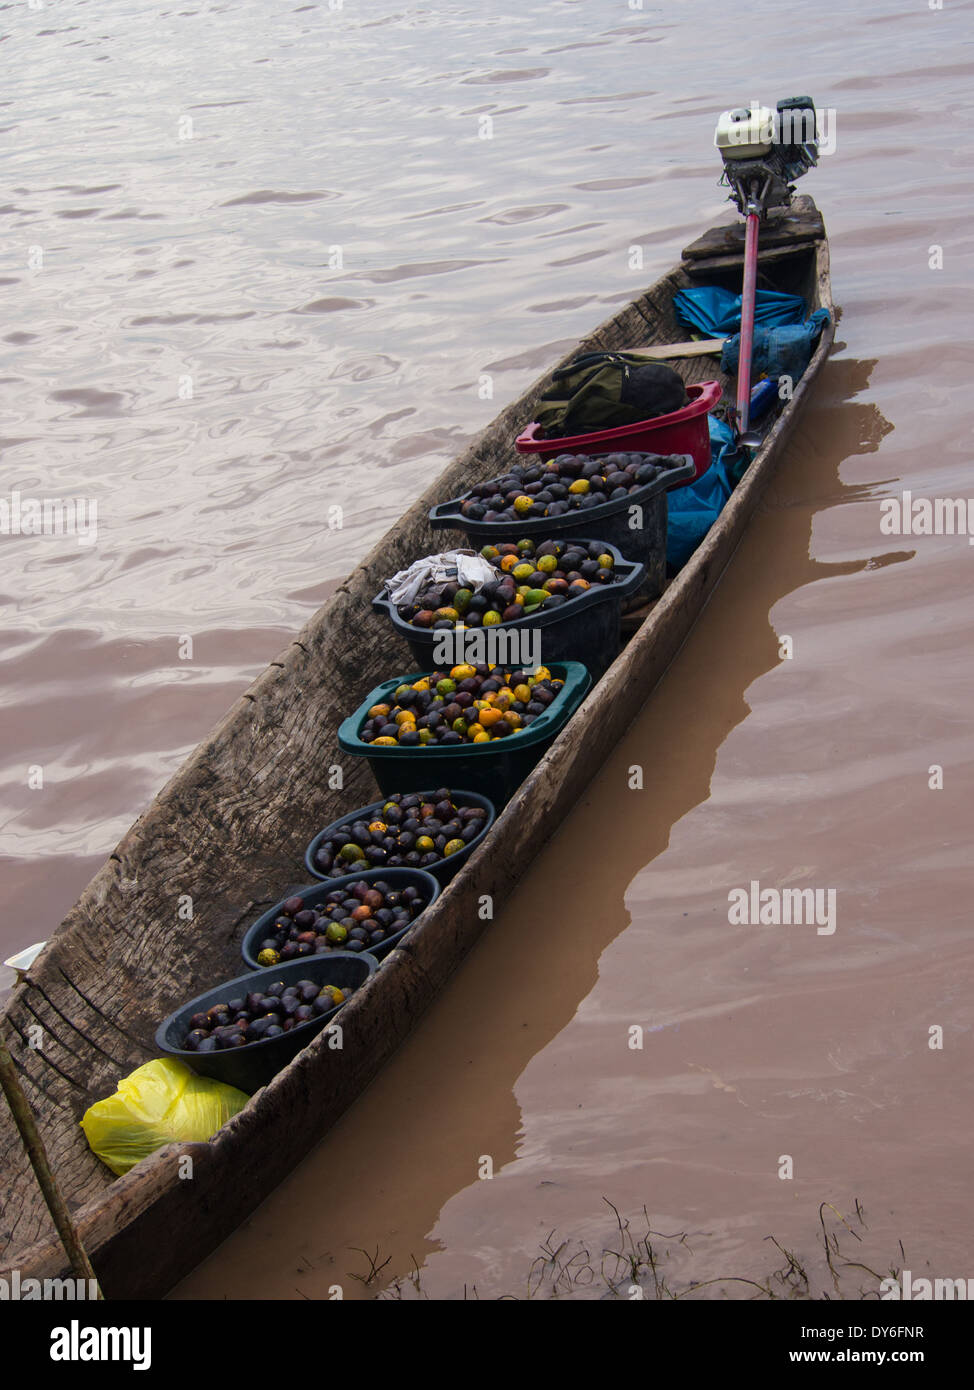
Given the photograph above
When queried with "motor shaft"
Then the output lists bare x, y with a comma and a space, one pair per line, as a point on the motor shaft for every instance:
748, 294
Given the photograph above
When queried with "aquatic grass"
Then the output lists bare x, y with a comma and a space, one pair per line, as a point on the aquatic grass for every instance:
631, 1265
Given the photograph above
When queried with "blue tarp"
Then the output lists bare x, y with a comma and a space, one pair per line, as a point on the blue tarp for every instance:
717, 312
693, 509
784, 340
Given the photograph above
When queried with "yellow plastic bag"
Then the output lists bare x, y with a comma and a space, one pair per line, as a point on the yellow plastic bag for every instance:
159, 1103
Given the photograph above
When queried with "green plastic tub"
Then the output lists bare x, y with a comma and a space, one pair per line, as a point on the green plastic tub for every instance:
495, 770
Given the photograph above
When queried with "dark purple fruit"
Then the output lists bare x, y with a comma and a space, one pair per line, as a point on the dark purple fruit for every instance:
258, 1028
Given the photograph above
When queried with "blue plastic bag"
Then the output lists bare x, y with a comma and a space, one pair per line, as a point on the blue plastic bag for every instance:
778, 352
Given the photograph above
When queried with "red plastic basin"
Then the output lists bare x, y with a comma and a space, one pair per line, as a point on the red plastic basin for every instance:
680, 432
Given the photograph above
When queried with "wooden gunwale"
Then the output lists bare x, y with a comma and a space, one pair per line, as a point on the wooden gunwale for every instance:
121, 961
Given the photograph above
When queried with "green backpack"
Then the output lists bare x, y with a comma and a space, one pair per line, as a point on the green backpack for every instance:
591, 394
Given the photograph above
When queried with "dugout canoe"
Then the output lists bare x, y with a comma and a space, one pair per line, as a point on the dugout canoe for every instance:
223, 831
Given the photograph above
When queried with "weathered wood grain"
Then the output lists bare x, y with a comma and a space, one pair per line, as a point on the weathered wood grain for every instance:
224, 831
801, 222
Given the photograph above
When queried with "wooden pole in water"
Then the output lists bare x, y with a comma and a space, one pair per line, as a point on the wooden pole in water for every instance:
34, 1144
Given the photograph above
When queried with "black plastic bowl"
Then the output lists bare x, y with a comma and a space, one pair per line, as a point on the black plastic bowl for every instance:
315, 893
585, 629
252, 1066
607, 521
442, 872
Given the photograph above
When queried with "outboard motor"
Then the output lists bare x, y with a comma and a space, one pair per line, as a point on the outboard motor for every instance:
764, 152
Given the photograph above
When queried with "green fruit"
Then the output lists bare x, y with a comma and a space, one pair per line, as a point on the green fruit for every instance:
491, 618
461, 598
534, 597
445, 686
336, 932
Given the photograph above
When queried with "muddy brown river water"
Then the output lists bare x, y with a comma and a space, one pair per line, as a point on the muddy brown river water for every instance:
259, 261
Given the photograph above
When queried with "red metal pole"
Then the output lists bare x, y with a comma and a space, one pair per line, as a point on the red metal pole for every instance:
747, 321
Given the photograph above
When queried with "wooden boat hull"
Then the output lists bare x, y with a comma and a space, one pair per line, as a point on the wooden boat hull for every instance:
224, 827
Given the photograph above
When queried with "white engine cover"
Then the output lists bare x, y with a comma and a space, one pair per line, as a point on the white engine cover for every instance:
746, 133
